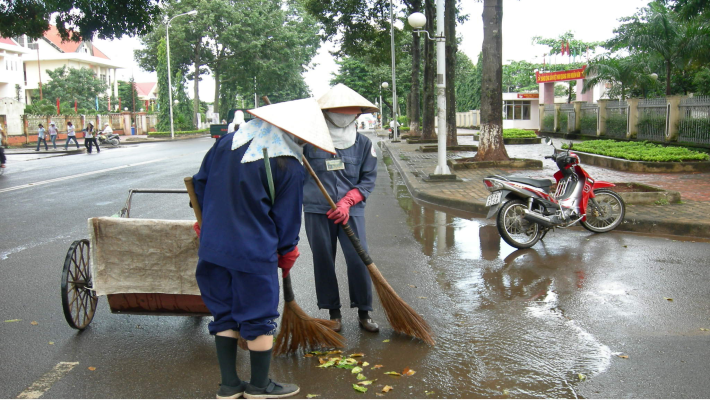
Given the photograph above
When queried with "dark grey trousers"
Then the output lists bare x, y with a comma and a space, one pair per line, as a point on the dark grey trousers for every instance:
323, 236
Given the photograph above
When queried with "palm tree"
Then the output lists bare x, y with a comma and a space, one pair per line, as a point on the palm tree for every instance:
660, 33
624, 73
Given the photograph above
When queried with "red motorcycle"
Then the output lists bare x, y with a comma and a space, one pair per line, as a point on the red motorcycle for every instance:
527, 210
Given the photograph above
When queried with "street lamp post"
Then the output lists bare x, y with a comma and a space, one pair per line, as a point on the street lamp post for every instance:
170, 81
395, 135
417, 21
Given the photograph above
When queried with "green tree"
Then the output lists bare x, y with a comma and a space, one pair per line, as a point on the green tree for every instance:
163, 124
468, 83
105, 18
659, 33
128, 94
71, 84
182, 109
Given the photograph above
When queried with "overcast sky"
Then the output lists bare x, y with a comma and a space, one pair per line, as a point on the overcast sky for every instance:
522, 19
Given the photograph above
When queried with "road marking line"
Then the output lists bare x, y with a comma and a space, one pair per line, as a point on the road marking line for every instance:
44, 383
64, 178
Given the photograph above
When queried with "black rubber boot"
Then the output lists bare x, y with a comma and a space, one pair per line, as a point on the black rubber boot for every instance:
260, 386
231, 387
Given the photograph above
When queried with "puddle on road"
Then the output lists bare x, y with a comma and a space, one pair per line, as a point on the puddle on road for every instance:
504, 333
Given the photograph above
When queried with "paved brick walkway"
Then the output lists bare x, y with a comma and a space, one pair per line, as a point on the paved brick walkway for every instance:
691, 217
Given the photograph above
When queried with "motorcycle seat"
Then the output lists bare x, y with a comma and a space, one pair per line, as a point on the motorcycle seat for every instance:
541, 183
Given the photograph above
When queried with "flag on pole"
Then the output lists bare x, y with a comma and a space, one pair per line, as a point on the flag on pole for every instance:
562, 49
58, 112
97, 103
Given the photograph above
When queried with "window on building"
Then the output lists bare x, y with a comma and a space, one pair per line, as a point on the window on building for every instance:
516, 109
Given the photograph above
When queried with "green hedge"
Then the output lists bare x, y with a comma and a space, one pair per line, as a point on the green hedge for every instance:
164, 134
639, 151
518, 133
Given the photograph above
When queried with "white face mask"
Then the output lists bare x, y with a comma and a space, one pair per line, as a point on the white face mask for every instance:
342, 129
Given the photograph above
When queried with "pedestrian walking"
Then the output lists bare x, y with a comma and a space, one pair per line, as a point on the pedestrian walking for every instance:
3, 143
247, 232
53, 132
41, 137
89, 139
349, 177
71, 135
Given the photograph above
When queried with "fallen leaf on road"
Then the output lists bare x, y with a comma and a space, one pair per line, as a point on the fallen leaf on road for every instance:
327, 364
366, 383
361, 377
408, 372
393, 373
334, 352
359, 388
311, 396
626, 246
51, 342
357, 355
365, 364
422, 297
704, 329
668, 298
34, 323
386, 341
92, 368
308, 355
506, 392
13, 320
387, 389
582, 377
380, 394
428, 393
356, 370
622, 356
412, 286
377, 366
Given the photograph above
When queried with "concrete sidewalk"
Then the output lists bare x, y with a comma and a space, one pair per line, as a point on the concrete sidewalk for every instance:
689, 218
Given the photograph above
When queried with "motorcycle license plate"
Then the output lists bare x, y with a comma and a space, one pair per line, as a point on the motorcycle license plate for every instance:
493, 199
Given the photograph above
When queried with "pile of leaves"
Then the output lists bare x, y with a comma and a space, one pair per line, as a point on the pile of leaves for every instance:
357, 367
518, 133
639, 151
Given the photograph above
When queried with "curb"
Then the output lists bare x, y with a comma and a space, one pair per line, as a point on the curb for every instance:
633, 221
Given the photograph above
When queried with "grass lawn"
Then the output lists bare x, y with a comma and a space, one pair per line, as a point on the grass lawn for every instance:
639, 151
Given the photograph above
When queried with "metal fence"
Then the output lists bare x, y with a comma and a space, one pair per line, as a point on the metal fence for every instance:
151, 122
548, 119
589, 118
116, 121
566, 119
653, 119
694, 124
617, 119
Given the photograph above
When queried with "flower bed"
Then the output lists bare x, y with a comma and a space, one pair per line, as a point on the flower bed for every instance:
639, 151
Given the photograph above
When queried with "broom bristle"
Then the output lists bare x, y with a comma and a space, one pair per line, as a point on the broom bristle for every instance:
299, 330
400, 315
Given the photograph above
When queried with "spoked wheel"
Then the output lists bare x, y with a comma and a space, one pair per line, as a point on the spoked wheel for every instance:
78, 299
514, 229
114, 142
609, 213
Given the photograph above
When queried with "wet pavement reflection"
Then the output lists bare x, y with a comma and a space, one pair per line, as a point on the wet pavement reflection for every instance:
507, 335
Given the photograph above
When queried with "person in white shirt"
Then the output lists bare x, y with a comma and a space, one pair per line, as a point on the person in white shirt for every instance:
41, 137
236, 121
89, 138
71, 135
53, 132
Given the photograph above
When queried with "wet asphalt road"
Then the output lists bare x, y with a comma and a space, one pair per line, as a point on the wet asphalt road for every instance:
551, 321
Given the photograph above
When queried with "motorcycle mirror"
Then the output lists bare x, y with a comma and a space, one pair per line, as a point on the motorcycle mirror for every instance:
548, 141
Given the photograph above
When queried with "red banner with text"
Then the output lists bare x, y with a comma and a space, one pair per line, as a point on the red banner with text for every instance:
558, 76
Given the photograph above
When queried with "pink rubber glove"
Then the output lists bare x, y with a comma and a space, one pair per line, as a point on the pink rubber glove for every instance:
287, 260
341, 214
197, 229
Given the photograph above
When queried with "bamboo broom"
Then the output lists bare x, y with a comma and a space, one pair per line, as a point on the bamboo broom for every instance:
400, 315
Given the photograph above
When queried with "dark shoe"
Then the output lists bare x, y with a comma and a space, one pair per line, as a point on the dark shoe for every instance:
273, 390
338, 324
369, 325
231, 392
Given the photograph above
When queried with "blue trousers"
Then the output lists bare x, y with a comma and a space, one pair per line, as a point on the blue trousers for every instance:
69, 139
323, 236
54, 140
247, 303
39, 141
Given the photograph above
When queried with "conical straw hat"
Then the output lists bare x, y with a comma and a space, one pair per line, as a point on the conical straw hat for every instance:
301, 118
342, 96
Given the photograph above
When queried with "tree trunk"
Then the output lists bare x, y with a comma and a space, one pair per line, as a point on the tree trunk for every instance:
196, 100
490, 144
217, 88
451, 48
429, 97
414, 94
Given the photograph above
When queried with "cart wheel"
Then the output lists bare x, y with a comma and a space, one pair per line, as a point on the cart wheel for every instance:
78, 299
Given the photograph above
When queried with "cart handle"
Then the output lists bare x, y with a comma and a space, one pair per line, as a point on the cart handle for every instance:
126, 210
193, 199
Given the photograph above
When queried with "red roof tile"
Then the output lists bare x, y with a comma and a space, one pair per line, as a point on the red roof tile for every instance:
52, 34
9, 41
99, 53
144, 88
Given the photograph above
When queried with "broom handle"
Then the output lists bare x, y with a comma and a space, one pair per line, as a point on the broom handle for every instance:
346, 227
193, 200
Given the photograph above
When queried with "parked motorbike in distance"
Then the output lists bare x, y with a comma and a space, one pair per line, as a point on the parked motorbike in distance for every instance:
527, 211
111, 138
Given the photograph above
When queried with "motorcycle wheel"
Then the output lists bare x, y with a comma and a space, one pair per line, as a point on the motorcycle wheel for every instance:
514, 229
114, 142
609, 216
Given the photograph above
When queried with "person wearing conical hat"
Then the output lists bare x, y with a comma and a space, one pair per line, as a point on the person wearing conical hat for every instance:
349, 177
246, 235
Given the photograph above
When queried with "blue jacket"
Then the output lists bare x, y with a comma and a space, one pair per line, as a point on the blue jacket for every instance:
241, 229
360, 172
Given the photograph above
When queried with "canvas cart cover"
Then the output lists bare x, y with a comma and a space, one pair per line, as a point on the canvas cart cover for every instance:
131, 255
